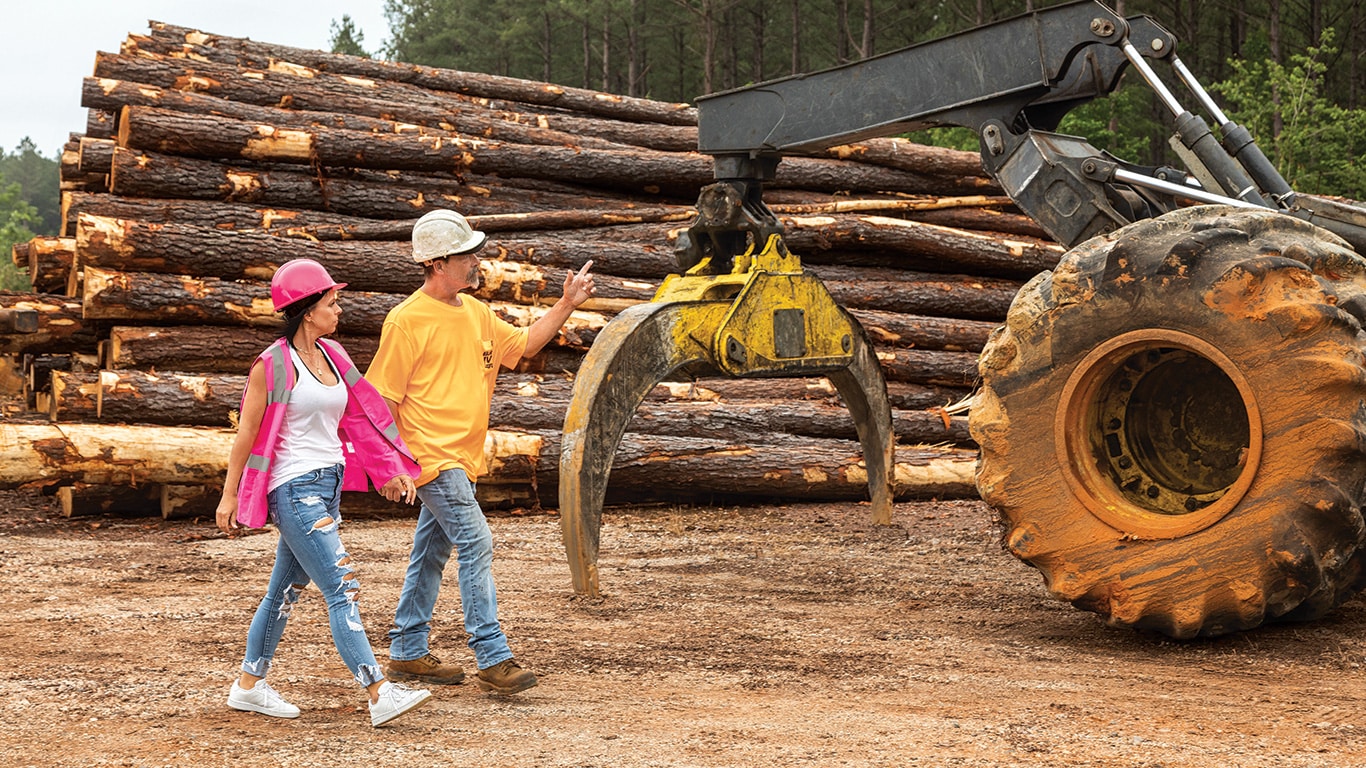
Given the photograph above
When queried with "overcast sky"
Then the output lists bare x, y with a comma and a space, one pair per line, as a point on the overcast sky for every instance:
48, 46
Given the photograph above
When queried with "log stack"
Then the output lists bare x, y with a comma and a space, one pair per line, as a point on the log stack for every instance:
208, 161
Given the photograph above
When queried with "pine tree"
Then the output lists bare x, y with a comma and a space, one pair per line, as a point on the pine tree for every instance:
346, 38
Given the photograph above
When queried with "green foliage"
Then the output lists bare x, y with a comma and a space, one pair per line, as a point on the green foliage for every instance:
39, 185
441, 33
674, 50
16, 218
1121, 124
953, 138
345, 38
30, 203
1320, 146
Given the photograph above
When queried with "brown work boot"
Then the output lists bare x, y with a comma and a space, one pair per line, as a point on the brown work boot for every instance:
427, 669
505, 677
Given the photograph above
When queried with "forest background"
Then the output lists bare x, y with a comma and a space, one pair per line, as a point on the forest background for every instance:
1291, 71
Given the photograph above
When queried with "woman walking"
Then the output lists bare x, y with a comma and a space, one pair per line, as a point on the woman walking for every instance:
310, 427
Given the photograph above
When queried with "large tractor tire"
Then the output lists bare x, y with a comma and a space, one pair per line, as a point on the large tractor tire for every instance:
1172, 422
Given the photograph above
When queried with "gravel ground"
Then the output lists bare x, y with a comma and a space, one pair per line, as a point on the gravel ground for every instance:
786, 635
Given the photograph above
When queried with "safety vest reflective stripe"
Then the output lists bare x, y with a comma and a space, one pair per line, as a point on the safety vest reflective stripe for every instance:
258, 462
279, 389
351, 375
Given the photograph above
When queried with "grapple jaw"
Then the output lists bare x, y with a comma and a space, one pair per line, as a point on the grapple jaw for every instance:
766, 318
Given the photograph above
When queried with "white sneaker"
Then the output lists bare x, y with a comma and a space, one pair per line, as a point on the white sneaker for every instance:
394, 700
260, 698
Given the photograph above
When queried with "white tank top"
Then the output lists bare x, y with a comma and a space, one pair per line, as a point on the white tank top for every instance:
308, 437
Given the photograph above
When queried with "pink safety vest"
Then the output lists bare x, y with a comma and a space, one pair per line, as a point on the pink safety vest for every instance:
374, 451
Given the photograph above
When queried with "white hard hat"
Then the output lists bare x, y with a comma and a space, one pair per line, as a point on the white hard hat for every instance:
442, 233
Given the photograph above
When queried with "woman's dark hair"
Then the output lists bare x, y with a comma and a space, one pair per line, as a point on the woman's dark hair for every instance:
294, 313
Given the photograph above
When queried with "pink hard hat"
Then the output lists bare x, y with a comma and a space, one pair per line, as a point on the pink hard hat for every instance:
298, 279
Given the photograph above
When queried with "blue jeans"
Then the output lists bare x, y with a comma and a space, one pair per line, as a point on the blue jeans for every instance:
450, 517
305, 512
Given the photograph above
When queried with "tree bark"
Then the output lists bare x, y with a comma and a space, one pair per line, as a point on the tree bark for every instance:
50, 260
99, 123
893, 242
38, 369
318, 225
96, 155
984, 219
756, 421
642, 259
678, 468
385, 267
919, 293
402, 196
110, 454
206, 349
916, 158
142, 397
211, 136
185, 399
938, 368
900, 204
903, 395
942, 368
896, 329
638, 171
179, 299
283, 85
324, 226
367, 266
645, 465
70, 176
472, 117
134, 246
646, 250
980, 212
253, 54
470, 120
955, 249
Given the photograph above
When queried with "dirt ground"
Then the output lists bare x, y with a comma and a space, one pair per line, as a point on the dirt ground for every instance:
792, 635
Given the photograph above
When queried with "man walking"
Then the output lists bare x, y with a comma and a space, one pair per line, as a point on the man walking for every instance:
438, 358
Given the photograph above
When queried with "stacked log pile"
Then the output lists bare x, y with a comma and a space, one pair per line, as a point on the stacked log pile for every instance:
209, 161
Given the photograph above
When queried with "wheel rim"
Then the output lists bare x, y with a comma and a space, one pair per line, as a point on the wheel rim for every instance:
1159, 433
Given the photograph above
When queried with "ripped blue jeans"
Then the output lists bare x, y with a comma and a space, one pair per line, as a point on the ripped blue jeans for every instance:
306, 514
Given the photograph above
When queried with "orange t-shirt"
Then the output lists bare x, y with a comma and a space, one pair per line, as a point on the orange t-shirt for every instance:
439, 363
